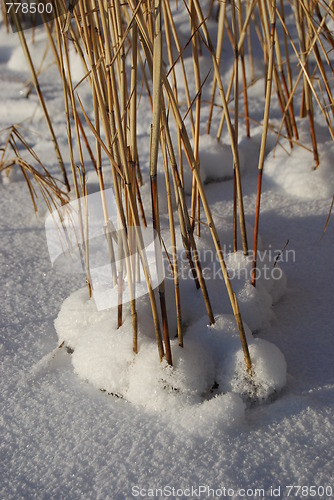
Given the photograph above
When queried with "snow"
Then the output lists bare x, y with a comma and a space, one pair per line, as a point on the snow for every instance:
63, 438
212, 355
216, 162
296, 175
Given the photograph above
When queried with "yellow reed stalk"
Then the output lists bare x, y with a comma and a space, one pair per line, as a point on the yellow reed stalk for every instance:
307, 90
154, 149
194, 43
264, 132
219, 48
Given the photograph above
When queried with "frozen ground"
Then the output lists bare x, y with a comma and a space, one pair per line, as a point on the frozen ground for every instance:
62, 438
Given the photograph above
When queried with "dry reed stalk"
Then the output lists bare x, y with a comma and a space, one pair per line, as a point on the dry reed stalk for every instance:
264, 132
242, 335
287, 117
195, 202
175, 264
133, 102
39, 70
328, 217
119, 57
184, 221
151, 293
324, 79
243, 70
262, 42
178, 188
329, 9
229, 32
236, 121
287, 53
40, 96
133, 157
173, 75
219, 48
250, 48
308, 93
108, 226
154, 149
94, 46
145, 82
292, 93
122, 77
4, 16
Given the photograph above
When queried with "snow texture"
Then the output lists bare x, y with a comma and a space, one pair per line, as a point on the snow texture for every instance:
63, 438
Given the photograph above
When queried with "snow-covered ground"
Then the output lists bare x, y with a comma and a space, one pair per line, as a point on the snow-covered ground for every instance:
63, 438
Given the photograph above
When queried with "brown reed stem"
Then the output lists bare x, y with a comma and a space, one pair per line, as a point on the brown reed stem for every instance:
308, 94
194, 39
175, 266
243, 70
155, 139
219, 48
264, 133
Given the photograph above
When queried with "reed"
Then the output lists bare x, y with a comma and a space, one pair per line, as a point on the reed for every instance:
264, 134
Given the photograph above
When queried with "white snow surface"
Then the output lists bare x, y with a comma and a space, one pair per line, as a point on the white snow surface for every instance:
62, 437
212, 355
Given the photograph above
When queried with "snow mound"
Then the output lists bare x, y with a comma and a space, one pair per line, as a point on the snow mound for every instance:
256, 302
295, 173
269, 366
269, 371
206, 388
104, 358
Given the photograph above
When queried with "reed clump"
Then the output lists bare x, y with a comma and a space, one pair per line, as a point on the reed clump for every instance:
134, 47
